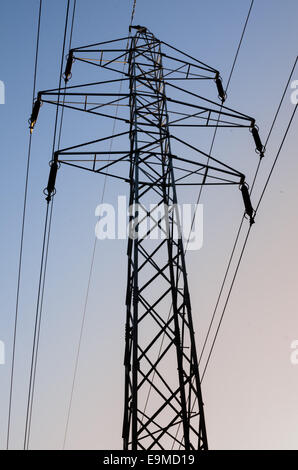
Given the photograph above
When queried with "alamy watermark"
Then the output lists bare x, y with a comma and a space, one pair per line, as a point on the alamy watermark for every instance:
2, 353
2, 92
294, 353
156, 222
294, 94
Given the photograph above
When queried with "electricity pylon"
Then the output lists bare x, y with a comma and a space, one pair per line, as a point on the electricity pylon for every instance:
163, 405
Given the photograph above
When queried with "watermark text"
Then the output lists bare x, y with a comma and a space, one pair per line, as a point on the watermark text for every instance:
2, 92
294, 94
155, 222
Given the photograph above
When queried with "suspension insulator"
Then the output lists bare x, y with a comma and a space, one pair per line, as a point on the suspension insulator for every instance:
50, 189
259, 146
34, 114
67, 72
247, 202
221, 92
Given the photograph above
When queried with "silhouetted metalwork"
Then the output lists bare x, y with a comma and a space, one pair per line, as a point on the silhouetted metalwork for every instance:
163, 404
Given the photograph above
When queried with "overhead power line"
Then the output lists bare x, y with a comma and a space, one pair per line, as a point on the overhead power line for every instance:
90, 274
277, 157
240, 227
22, 239
44, 256
216, 129
246, 238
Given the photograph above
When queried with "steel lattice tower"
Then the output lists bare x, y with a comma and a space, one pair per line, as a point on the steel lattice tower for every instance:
163, 406
170, 279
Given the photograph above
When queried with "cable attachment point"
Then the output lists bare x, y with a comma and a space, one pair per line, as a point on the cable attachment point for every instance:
34, 114
50, 190
141, 29
221, 92
247, 202
260, 149
67, 72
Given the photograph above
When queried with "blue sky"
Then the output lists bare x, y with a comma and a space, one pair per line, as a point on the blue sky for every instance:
250, 389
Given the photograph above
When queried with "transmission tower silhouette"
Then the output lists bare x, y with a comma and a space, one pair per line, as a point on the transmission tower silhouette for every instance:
163, 405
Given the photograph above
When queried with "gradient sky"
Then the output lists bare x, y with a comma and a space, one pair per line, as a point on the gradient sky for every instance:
250, 389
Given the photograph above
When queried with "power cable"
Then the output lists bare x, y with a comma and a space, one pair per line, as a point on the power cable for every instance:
241, 223
43, 267
226, 303
219, 115
36, 331
90, 274
50, 223
247, 235
40, 315
276, 158
200, 192
246, 238
22, 241
212, 145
